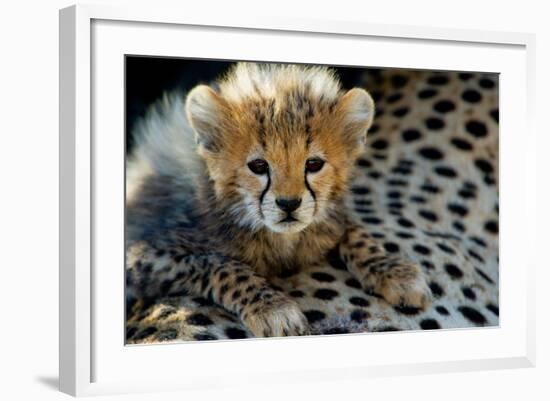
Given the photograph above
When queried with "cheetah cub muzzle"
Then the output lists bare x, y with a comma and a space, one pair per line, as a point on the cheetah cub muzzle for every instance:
242, 180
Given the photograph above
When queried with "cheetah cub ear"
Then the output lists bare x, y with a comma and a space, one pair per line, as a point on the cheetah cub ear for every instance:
204, 108
356, 110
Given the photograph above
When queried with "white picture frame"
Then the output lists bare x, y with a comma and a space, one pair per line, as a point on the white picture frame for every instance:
92, 361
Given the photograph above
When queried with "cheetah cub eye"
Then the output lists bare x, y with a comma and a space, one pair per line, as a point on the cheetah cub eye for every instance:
314, 164
258, 166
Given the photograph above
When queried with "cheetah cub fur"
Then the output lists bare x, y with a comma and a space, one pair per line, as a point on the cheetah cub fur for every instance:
245, 179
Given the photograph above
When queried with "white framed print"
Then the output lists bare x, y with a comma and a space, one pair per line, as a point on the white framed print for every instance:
276, 200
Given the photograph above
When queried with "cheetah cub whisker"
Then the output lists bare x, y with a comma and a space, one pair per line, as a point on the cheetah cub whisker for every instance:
236, 182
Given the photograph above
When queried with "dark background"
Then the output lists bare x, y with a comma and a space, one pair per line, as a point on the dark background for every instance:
147, 78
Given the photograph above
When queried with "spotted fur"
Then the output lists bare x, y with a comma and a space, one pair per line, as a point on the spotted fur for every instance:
423, 202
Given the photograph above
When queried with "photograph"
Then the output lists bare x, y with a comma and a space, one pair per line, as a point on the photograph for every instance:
267, 199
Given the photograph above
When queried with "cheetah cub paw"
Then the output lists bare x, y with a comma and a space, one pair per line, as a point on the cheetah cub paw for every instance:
276, 316
404, 284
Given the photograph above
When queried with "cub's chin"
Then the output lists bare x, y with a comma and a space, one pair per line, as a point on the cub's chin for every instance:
286, 226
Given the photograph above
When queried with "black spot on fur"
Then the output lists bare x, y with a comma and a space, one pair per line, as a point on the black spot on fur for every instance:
323, 277
465, 76
437, 291
491, 226
407, 310
359, 301
494, 115
398, 81
364, 163
403, 222
427, 93
478, 241
242, 278
204, 337
444, 106
427, 264
198, 319
421, 249
472, 315
201, 301
457, 225
461, 144
396, 205
325, 294
287, 272
146, 332
418, 199
371, 220
296, 293
446, 248
411, 135
130, 331
147, 268
476, 128
442, 310
374, 175
438, 80
469, 293
466, 194
235, 333
394, 98
334, 259
401, 170
357, 190
379, 144
484, 166
391, 247
397, 183
457, 209
434, 123
404, 235
400, 112
486, 83
453, 270
432, 189
493, 309
429, 324
485, 276
428, 215
394, 194
446, 172
353, 283
430, 153
358, 315
471, 96
313, 316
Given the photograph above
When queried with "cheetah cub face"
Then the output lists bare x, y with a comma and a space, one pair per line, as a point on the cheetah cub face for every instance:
279, 142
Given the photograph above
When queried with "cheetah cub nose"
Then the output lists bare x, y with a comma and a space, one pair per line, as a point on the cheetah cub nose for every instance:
288, 205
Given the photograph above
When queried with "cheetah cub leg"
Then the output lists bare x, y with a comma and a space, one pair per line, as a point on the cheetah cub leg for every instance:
398, 281
233, 285
265, 311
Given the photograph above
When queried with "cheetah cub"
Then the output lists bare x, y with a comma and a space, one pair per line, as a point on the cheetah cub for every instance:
245, 179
